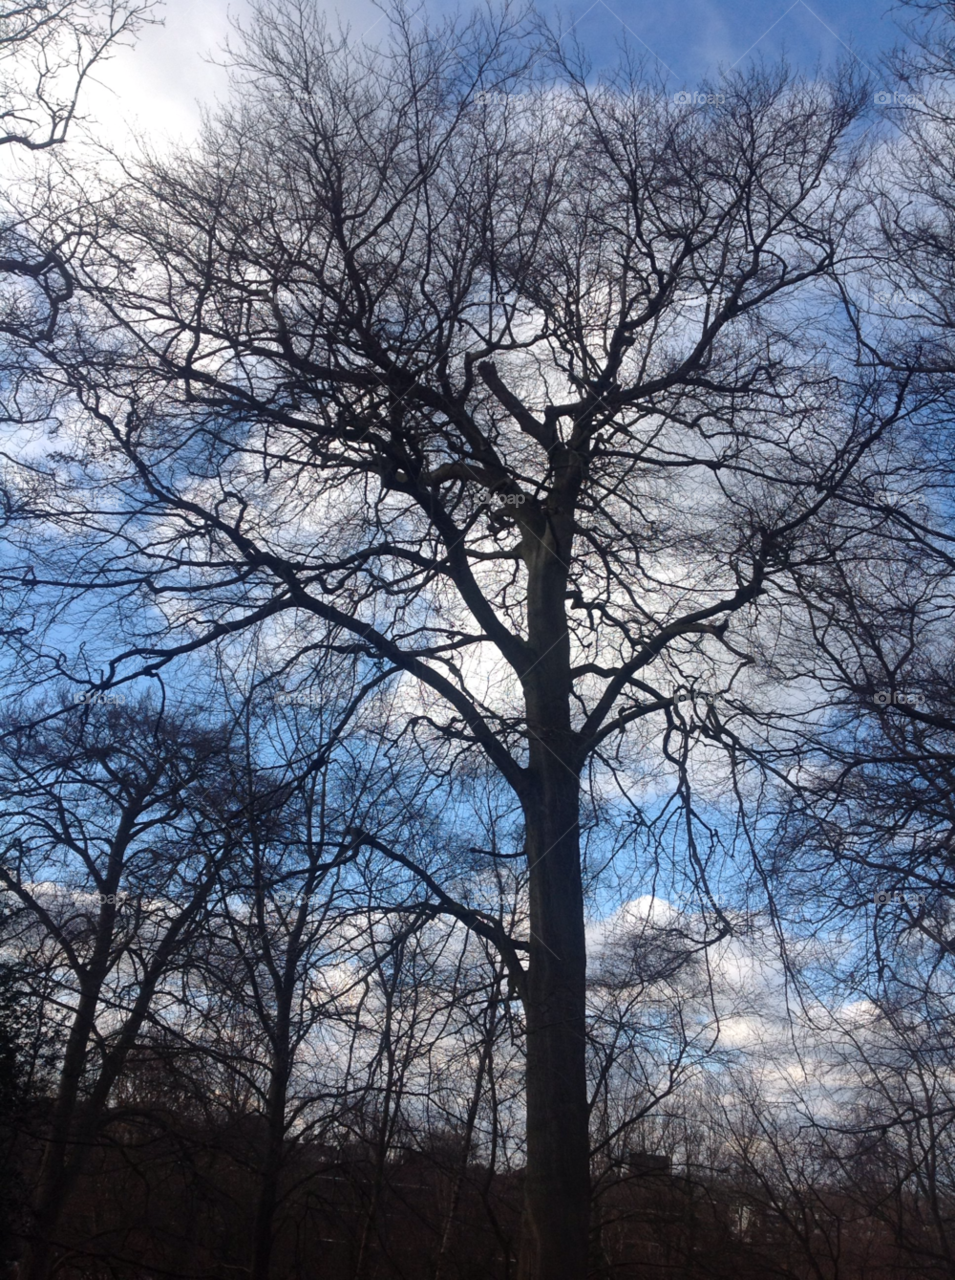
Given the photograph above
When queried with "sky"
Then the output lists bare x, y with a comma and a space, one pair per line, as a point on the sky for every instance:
160, 86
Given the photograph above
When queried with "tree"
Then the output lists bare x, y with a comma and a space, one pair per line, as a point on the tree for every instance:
284, 910
47, 52
890, 1145
129, 810
17, 1019
871, 827
530, 386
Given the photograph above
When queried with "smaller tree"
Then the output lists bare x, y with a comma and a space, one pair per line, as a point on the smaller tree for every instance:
281, 916
116, 821
47, 52
17, 1016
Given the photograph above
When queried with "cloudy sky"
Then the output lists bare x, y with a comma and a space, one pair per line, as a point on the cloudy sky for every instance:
158, 86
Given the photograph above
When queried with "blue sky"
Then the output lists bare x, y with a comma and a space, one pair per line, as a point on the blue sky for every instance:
159, 85
691, 39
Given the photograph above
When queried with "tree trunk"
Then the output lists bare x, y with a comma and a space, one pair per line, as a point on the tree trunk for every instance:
557, 1190
276, 1105
557, 1186
271, 1168
54, 1177
457, 1188
71, 1136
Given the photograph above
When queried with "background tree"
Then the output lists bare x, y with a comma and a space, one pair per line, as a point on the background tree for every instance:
18, 1030
290, 905
116, 821
47, 52
867, 833
890, 1150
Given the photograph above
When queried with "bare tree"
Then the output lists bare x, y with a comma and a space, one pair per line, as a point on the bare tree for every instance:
47, 52
284, 911
648, 988
116, 822
528, 385
890, 1147
868, 834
